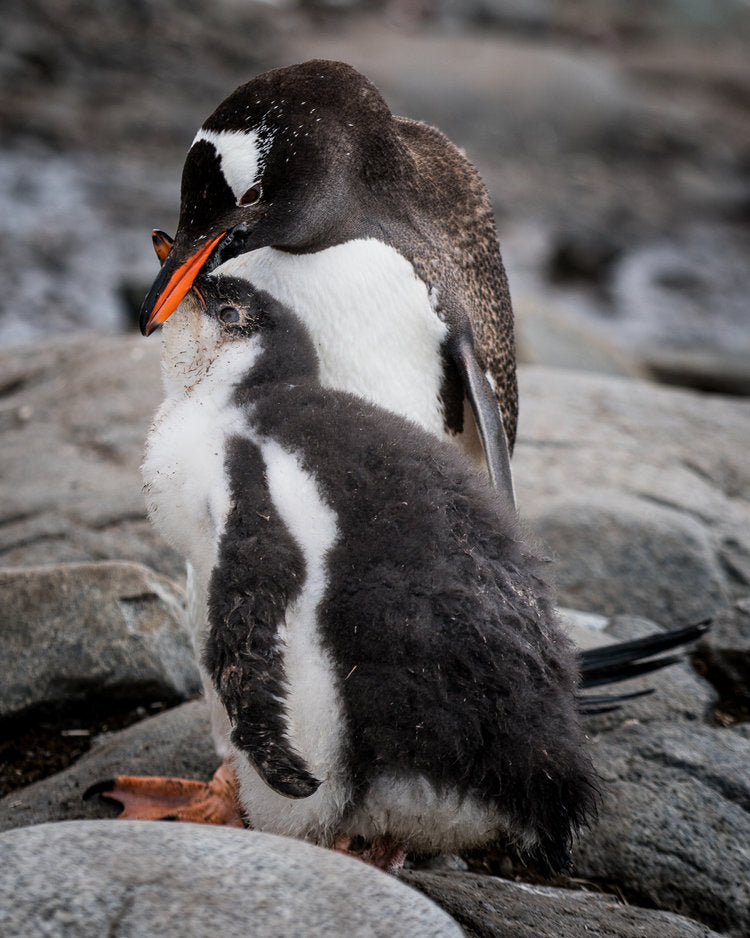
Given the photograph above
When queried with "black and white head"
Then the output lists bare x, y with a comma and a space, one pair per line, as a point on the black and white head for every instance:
230, 332
296, 159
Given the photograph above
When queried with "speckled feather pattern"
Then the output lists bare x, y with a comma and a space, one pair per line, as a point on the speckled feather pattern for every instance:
460, 253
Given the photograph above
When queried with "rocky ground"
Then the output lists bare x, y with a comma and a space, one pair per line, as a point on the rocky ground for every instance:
615, 142
643, 494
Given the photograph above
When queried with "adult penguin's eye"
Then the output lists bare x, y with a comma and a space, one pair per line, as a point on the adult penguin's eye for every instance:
252, 195
229, 314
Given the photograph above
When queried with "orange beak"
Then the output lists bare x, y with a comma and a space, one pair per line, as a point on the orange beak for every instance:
171, 285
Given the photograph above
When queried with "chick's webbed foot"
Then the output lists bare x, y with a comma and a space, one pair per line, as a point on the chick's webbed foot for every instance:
148, 798
383, 852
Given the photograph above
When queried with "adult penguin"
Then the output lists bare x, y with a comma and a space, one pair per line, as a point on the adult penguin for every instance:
376, 230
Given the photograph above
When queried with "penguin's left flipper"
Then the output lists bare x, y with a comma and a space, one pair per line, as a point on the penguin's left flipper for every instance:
146, 798
486, 413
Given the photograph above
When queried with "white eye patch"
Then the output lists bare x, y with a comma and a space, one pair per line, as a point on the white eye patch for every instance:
242, 155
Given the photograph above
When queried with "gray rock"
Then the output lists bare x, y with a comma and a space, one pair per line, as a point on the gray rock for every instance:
619, 554
487, 907
545, 335
675, 822
661, 293
73, 421
678, 693
726, 654
177, 742
582, 433
584, 628
93, 878
725, 372
645, 495
81, 632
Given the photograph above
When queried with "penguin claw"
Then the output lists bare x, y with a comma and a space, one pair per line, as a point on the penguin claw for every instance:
154, 798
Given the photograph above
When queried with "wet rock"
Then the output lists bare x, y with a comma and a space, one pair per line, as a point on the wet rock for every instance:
84, 632
177, 742
487, 907
682, 303
67, 276
174, 62
675, 821
196, 881
581, 253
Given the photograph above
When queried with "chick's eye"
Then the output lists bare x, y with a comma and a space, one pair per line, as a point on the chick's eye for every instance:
252, 195
229, 314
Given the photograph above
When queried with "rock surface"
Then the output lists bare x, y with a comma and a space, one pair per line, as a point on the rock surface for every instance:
73, 420
675, 821
674, 818
85, 632
177, 743
487, 907
125, 878
656, 560
644, 492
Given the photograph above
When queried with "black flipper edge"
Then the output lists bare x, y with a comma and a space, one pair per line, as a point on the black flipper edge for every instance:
487, 415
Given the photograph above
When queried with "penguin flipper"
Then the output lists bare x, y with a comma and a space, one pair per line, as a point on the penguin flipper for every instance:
487, 415
280, 767
259, 574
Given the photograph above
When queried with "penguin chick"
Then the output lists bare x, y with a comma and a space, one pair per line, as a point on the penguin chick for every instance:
384, 659
379, 234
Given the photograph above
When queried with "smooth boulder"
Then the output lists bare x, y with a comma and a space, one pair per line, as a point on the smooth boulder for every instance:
131, 878
77, 633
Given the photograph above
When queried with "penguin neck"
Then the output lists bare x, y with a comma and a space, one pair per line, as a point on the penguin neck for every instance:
201, 362
197, 363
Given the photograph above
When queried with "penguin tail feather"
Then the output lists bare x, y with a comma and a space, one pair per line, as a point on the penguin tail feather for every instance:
621, 661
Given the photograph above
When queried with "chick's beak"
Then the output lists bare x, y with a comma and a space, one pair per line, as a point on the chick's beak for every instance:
172, 283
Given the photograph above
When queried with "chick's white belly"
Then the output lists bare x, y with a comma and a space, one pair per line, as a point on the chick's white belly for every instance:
188, 497
187, 490
406, 807
315, 723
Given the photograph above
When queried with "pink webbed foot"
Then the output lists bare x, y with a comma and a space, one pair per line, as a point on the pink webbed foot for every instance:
151, 798
383, 853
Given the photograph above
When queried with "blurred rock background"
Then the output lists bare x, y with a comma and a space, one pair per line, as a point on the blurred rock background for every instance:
614, 137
